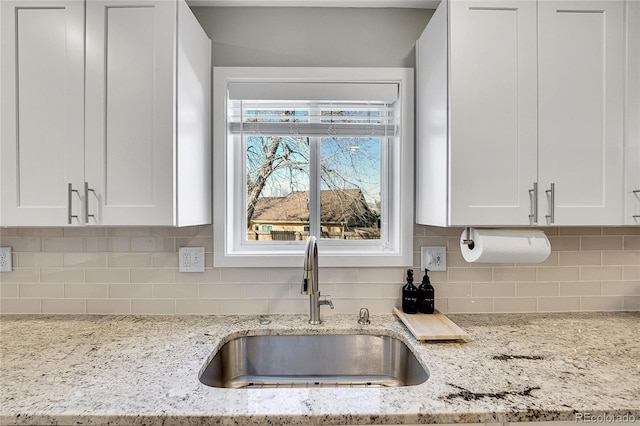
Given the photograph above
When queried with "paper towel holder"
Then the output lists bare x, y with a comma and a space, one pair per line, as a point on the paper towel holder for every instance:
467, 240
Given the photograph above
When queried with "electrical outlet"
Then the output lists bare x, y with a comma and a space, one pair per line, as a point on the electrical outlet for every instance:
5, 259
191, 259
433, 258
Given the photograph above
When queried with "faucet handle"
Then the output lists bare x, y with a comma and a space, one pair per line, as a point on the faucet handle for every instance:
326, 300
363, 317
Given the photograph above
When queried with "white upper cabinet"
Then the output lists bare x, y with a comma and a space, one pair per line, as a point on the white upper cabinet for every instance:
632, 125
42, 117
138, 115
580, 108
513, 97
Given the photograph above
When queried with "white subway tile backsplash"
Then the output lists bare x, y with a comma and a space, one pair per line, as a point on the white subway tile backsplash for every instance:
21, 275
84, 260
153, 275
601, 303
120, 244
493, 289
625, 257
578, 258
86, 291
64, 306
558, 274
470, 305
107, 275
268, 291
109, 306
449, 289
600, 273
40, 232
61, 275
631, 273
244, 306
337, 275
221, 291
580, 288
622, 288
288, 275
131, 291
175, 291
631, 242
525, 273
208, 276
289, 306
357, 291
631, 303
62, 244
8, 290
41, 291
515, 304
153, 307
601, 243
244, 275
478, 274
39, 259
537, 289
558, 304
20, 306
564, 243
197, 307
130, 260
383, 275
21, 244
135, 270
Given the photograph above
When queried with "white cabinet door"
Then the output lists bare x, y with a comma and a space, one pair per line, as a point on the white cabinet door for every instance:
477, 119
632, 126
580, 106
42, 112
493, 98
130, 111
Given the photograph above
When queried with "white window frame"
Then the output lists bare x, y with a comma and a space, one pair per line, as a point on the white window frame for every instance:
230, 249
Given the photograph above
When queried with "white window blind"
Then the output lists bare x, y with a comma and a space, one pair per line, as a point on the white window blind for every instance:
313, 108
306, 118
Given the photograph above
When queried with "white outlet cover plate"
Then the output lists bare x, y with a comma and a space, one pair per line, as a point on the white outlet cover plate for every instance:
191, 259
5, 259
433, 258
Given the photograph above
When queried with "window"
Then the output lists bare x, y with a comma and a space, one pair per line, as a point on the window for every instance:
313, 151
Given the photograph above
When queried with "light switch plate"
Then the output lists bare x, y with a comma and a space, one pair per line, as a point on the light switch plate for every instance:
433, 258
191, 259
6, 259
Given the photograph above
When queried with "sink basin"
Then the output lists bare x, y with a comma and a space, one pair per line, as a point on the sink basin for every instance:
319, 360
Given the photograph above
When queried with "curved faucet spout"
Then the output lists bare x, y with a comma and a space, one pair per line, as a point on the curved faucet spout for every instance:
310, 283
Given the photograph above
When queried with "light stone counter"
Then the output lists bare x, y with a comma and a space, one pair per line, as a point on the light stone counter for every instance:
144, 370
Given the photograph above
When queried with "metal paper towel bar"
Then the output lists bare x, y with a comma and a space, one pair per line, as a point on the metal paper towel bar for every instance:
467, 240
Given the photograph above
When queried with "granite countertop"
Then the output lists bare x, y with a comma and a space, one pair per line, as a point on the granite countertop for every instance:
144, 370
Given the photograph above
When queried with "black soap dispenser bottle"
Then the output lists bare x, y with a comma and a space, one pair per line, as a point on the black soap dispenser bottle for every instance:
427, 295
410, 295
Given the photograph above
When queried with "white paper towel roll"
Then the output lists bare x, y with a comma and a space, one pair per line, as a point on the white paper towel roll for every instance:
505, 246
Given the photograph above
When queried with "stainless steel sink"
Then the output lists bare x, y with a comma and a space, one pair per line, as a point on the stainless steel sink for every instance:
331, 360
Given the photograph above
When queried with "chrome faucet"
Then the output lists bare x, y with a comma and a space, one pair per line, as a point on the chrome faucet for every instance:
310, 282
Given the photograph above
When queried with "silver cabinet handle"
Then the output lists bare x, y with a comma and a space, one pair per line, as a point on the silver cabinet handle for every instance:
86, 202
552, 203
533, 197
70, 215
637, 192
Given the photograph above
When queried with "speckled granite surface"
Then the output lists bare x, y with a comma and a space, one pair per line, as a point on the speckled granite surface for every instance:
144, 370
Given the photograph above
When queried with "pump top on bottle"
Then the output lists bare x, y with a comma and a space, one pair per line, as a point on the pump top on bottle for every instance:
410, 295
427, 295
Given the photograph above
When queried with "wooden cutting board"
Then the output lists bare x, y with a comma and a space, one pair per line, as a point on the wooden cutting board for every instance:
430, 327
